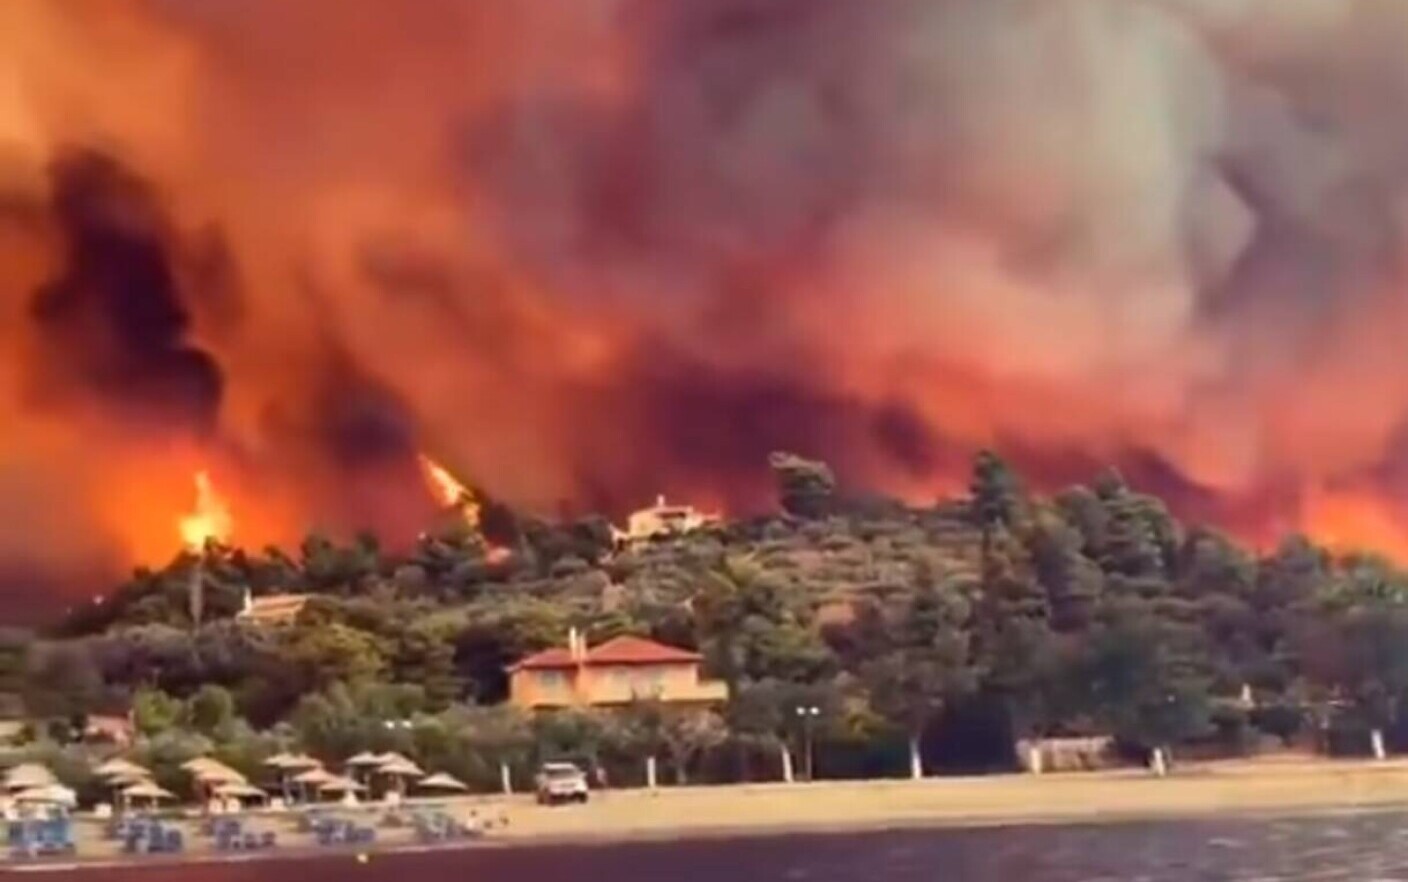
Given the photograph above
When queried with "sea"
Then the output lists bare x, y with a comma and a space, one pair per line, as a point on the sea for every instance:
1363, 847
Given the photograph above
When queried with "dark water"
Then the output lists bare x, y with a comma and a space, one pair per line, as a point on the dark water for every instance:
1362, 848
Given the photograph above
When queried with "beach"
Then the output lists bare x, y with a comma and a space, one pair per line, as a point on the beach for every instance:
1203, 792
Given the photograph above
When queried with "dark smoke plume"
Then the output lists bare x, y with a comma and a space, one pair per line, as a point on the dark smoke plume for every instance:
114, 320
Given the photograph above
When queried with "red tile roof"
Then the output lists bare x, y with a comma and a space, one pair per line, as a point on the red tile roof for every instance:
638, 651
548, 659
618, 651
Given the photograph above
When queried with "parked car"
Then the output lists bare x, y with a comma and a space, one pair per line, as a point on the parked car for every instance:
560, 782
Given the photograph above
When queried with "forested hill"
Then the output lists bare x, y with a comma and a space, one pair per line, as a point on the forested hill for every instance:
1091, 611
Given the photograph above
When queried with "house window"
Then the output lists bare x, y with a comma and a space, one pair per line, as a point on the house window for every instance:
552, 681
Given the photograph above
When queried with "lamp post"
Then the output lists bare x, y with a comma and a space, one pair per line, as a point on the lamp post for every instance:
808, 715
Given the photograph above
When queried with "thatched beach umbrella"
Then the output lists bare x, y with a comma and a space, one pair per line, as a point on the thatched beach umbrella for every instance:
49, 794
304, 761
117, 767
146, 791
342, 786
401, 771
400, 767
240, 792
209, 769
122, 780
443, 782
210, 774
29, 776
219, 777
286, 765
312, 779
360, 766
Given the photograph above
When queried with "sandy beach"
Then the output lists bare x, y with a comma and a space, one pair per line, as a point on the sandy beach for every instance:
1263, 787
1235, 789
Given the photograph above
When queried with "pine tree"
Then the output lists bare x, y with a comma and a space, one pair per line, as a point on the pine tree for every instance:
1073, 582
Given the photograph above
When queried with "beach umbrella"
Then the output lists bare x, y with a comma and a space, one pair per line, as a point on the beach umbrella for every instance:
287, 764
401, 771
346, 787
215, 777
202, 762
117, 767
209, 770
362, 764
442, 781
49, 794
292, 762
28, 776
401, 768
389, 757
147, 790
211, 773
314, 777
240, 791
121, 781
339, 784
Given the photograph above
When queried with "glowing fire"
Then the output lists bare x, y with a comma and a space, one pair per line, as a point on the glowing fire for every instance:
449, 492
210, 520
1349, 521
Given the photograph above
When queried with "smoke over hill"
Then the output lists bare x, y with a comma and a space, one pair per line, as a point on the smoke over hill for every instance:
584, 251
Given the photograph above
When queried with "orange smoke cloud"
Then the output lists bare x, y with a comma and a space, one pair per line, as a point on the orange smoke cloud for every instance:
597, 250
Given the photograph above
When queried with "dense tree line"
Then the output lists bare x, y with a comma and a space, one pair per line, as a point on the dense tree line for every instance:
1000, 614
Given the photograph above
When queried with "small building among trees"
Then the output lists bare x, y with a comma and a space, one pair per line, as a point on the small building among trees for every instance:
619, 672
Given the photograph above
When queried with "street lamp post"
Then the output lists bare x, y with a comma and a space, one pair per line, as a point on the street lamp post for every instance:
808, 715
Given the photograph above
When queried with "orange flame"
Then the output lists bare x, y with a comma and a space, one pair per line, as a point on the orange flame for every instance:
449, 492
1348, 520
210, 520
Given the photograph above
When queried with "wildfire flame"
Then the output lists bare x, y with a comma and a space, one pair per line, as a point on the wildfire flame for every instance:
449, 492
210, 520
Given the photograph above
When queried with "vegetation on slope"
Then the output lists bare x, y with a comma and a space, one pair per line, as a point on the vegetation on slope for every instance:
957, 627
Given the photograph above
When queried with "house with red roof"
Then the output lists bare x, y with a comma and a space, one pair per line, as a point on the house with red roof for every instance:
615, 673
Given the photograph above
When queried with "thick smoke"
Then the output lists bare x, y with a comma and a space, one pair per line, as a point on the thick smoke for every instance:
589, 251
113, 322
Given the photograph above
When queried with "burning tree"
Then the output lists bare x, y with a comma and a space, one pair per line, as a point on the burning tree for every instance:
209, 522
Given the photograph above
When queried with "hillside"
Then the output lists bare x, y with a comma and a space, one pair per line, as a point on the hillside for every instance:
1091, 612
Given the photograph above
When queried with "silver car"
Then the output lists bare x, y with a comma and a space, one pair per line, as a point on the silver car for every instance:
560, 782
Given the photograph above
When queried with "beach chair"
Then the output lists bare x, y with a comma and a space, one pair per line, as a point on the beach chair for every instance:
268, 839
